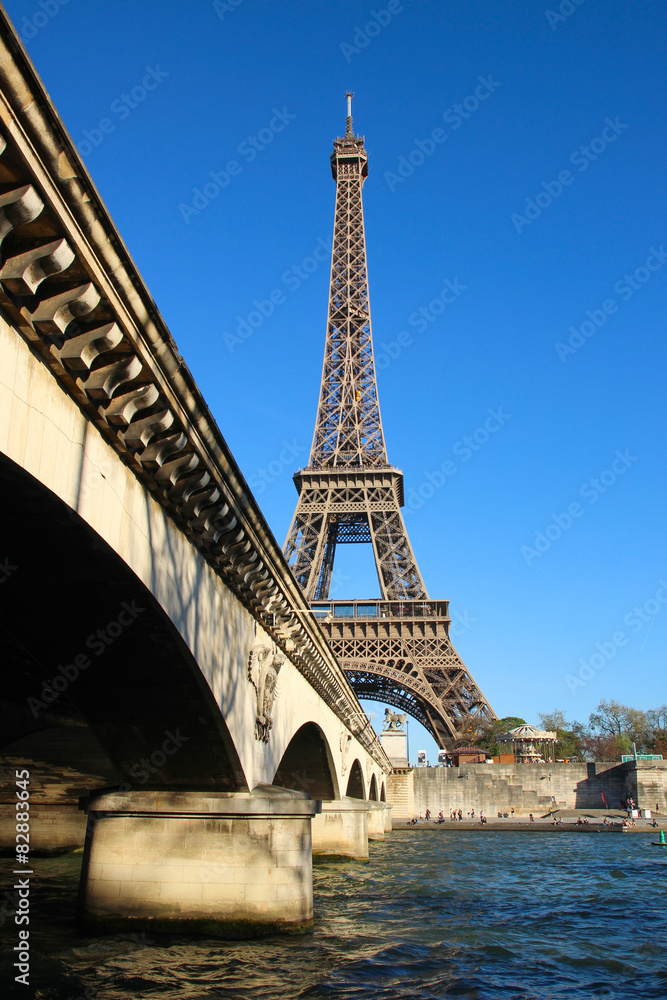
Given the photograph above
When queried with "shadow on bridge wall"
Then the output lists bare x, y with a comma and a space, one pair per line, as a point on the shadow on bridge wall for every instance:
307, 765
355, 783
84, 639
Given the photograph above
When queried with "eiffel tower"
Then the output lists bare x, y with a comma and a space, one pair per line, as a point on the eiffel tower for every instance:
396, 649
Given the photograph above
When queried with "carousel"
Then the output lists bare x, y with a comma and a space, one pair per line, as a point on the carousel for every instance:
531, 745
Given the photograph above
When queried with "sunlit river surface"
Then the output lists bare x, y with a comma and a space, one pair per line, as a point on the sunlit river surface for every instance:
469, 914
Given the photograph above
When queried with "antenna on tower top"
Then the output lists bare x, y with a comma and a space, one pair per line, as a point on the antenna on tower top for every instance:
348, 121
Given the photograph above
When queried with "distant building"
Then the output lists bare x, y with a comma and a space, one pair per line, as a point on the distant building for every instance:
468, 755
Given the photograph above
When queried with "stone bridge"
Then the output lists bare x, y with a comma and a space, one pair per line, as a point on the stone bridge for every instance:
146, 609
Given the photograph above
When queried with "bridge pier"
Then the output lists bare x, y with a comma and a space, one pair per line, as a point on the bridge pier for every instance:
376, 824
388, 827
216, 863
342, 828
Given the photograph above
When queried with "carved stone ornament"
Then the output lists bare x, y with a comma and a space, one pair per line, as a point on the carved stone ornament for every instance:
264, 666
345, 744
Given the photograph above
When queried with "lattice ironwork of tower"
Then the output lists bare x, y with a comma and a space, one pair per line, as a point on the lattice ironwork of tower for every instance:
400, 652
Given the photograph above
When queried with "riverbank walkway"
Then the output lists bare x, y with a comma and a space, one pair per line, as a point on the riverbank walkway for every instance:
566, 821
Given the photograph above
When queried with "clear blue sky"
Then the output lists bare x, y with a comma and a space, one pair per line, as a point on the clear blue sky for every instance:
585, 94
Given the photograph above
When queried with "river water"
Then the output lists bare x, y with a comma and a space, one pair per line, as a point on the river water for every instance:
484, 915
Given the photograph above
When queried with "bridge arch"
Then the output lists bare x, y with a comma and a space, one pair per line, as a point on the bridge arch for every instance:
373, 790
307, 764
84, 640
355, 783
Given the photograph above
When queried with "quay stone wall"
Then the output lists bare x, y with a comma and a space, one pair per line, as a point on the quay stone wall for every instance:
529, 787
652, 785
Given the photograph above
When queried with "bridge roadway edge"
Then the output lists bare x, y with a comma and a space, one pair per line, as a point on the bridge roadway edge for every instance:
55, 427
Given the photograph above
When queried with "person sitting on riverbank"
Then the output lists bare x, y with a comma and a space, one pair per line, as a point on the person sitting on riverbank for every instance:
531, 817
441, 817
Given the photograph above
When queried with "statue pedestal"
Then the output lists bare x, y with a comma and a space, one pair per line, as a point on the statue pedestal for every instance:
395, 744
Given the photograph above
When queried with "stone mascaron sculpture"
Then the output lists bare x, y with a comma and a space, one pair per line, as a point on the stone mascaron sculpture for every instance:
264, 666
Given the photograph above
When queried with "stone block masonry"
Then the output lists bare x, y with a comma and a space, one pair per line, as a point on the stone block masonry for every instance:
221, 864
529, 787
401, 793
341, 830
651, 783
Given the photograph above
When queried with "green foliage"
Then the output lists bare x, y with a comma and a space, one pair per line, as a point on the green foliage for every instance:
570, 735
487, 739
610, 732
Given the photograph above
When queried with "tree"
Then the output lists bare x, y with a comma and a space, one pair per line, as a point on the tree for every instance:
570, 735
553, 720
621, 726
487, 738
657, 719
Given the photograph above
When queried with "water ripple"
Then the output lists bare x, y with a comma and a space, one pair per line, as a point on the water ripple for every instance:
429, 916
